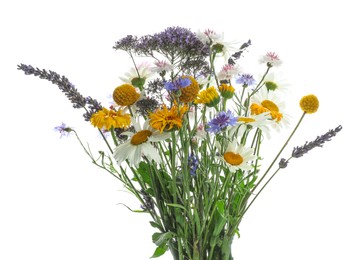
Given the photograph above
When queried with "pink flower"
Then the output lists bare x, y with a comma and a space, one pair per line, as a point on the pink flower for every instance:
271, 59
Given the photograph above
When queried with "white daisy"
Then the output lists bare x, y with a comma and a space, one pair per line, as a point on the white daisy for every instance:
238, 157
267, 101
274, 82
261, 121
142, 72
216, 42
140, 144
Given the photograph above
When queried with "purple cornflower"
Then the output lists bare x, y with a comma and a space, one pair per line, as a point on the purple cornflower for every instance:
221, 121
63, 129
246, 80
177, 84
193, 164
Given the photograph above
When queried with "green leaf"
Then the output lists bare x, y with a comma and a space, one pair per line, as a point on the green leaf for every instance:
159, 251
162, 238
144, 172
176, 206
155, 225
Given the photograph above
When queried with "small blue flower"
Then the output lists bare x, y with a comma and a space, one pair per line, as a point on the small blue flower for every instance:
63, 129
193, 164
177, 84
221, 121
246, 80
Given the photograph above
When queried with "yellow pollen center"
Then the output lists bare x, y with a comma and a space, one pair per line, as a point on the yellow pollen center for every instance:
233, 158
270, 105
246, 119
140, 137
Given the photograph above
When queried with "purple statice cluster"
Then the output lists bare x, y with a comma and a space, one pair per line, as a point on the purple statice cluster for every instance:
175, 43
146, 105
221, 121
66, 87
177, 84
193, 164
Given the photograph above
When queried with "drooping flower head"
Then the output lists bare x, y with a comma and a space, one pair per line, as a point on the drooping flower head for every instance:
267, 101
210, 97
125, 95
221, 121
168, 119
309, 104
107, 118
271, 59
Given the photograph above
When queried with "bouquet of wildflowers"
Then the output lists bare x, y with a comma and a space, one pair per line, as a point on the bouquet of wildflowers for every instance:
184, 135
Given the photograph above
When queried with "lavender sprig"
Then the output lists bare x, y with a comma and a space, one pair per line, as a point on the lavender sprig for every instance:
66, 87
299, 151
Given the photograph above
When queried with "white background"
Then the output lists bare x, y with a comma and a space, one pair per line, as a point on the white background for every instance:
56, 205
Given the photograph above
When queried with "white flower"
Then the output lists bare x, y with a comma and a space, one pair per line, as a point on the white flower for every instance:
274, 82
228, 72
271, 59
139, 145
143, 71
267, 101
216, 42
162, 66
238, 157
261, 121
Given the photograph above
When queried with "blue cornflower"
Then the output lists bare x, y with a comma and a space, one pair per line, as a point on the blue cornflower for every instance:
177, 84
221, 121
63, 129
193, 164
246, 80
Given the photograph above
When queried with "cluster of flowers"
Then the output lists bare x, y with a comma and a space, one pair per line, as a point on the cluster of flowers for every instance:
189, 124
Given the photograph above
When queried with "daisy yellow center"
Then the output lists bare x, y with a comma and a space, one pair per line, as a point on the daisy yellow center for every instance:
271, 106
267, 106
246, 119
140, 137
233, 158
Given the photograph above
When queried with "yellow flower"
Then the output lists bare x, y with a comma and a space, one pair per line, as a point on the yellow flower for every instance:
208, 96
125, 95
267, 106
309, 104
189, 93
227, 91
106, 119
168, 119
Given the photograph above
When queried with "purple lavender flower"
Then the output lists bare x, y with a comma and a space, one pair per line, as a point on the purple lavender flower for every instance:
177, 84
221, 121
246, 80
63, 129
